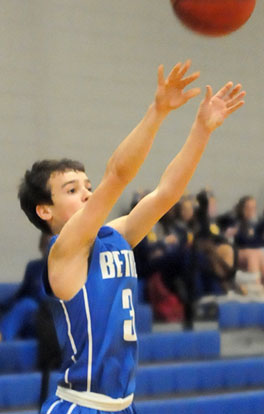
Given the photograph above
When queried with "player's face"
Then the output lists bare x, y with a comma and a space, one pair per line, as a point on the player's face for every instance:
70, 190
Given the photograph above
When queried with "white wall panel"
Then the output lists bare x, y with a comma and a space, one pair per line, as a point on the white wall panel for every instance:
77, 75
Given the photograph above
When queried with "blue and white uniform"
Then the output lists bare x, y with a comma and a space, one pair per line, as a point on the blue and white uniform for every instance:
96, 332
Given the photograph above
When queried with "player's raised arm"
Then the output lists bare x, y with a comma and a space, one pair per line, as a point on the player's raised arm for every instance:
212, 112
129, 156
170, 95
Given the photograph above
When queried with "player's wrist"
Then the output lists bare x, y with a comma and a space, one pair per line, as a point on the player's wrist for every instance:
201, 128
159, 111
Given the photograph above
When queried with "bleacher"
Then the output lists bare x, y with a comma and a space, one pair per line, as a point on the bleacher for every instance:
179, 372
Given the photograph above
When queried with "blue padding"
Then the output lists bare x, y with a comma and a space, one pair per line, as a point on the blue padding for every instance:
229, 315
19, 390
21, 355
22, 412
18, 356
200, 376
241, 315
179, 345
7, 291
250, 314
144, 318
233, 403
23, 390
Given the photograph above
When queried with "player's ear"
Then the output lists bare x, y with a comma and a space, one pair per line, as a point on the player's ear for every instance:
44, 211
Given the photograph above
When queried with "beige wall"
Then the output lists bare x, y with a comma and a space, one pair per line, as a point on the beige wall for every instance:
77, 75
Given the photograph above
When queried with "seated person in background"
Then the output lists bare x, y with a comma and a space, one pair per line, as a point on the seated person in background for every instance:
159, 254
166, 303
213, 257
28, 316
205, 214
227, 224
250, 252
178, 223
167, 227
246, 215
19, 318
184, 216
150, 256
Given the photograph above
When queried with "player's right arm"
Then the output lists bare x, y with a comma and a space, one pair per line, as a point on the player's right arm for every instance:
68, 257
212, 112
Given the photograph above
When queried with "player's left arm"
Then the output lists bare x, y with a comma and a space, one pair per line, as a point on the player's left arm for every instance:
212, 112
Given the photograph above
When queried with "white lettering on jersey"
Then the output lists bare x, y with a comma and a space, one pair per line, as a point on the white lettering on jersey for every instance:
127, 264
132, 264
117, 264
107, 265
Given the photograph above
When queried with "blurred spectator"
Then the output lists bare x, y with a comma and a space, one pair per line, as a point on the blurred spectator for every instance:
150, 254
246, 214
214, 254
228, 226
184, 219
249, 243
165, 301
176, 226
19, 316
28, 316
206, 214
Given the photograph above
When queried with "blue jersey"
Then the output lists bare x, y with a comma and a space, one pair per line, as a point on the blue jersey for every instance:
96, 328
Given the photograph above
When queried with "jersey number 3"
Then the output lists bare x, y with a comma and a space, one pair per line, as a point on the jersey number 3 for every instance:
129, 324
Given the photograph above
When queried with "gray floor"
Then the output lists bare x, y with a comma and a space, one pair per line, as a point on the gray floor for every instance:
238, 342
242, 342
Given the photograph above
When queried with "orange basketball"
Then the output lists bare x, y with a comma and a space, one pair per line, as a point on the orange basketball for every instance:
213, 17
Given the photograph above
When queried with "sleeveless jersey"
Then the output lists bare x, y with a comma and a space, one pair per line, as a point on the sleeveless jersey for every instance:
96, 328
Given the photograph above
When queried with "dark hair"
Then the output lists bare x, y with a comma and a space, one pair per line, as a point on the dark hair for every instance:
239, 208
33, 189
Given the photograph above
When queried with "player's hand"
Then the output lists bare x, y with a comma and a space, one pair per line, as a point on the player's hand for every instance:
170, 93
214, 109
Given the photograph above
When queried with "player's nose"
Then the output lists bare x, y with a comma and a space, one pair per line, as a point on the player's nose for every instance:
86, 193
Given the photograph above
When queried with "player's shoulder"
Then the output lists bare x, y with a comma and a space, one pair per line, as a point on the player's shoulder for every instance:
110, 232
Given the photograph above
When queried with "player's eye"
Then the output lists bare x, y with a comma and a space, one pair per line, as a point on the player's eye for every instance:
71, 191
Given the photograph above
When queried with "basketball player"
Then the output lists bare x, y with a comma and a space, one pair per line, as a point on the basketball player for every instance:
91, 272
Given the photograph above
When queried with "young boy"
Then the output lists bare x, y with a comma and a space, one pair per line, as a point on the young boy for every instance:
90, 269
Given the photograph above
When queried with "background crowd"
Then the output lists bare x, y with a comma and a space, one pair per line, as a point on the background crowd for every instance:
192, 255
195, 254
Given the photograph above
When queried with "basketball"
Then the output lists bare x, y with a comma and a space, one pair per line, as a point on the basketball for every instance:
213, 17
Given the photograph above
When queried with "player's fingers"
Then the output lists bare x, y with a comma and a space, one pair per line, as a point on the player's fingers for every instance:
235, 107
189, 79
161, 75
235, 90
192, 93
173, 75
236, 99
209, 92
184, 68
224, 90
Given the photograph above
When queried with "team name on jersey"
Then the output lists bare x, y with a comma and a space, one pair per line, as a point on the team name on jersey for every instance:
117, 264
